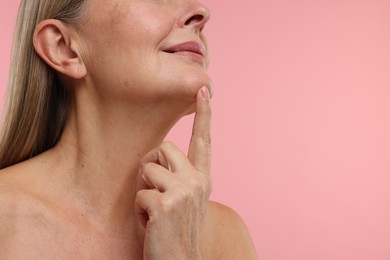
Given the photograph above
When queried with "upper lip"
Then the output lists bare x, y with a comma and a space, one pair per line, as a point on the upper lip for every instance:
191, 46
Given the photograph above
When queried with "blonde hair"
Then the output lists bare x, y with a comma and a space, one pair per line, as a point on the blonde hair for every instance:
36, 102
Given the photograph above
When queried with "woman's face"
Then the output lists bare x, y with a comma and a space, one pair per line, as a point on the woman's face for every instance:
146, 50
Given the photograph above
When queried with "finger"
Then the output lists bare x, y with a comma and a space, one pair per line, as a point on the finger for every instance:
145, 201
167, 155
157, 177
199, 151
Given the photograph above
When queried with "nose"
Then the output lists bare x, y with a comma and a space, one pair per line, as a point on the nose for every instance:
195, 15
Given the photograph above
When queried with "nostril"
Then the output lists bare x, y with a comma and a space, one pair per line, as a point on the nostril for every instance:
194, 19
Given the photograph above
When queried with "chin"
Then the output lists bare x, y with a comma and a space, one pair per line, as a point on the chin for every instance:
192, 86
191, 83
185, 76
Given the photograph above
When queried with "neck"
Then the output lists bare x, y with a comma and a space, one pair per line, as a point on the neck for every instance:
100, 149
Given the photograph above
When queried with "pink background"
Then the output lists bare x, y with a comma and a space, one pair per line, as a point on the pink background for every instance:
301, 123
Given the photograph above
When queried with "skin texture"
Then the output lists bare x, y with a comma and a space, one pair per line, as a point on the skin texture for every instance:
112, 188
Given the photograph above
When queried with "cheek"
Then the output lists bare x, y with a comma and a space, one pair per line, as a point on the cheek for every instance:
151, 21
124, 60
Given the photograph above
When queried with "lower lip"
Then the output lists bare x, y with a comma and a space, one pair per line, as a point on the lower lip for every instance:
196, 56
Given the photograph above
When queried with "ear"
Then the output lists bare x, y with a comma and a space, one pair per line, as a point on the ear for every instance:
57, 45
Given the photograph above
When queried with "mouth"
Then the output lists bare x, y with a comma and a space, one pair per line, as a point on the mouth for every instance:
190, 49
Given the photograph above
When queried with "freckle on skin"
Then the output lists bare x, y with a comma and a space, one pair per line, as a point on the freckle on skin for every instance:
126, 84
120, 14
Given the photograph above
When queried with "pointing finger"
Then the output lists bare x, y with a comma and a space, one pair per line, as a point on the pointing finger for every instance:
200, 145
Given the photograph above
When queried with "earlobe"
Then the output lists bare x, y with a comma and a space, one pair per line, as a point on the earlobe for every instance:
54, 44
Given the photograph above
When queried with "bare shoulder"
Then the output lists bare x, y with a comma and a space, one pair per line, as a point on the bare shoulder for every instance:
227, 234
22, 214
15, 197
15, 201
8, 208
7, 194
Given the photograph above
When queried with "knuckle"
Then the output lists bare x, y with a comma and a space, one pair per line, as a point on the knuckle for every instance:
167, 204
167, 145
139, 195
199, 186
182, 193
204, 137
176, 197
195, 184
146, 168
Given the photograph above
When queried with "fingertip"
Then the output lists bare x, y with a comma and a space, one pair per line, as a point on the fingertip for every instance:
203, 104
205, 93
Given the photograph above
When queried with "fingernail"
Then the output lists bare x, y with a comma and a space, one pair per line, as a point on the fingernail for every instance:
205, 93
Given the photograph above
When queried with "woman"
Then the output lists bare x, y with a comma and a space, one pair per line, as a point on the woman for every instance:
95, 87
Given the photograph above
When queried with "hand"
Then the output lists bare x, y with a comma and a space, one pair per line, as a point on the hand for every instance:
176, 189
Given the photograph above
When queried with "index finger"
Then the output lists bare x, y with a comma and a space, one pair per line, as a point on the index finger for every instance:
199, 152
